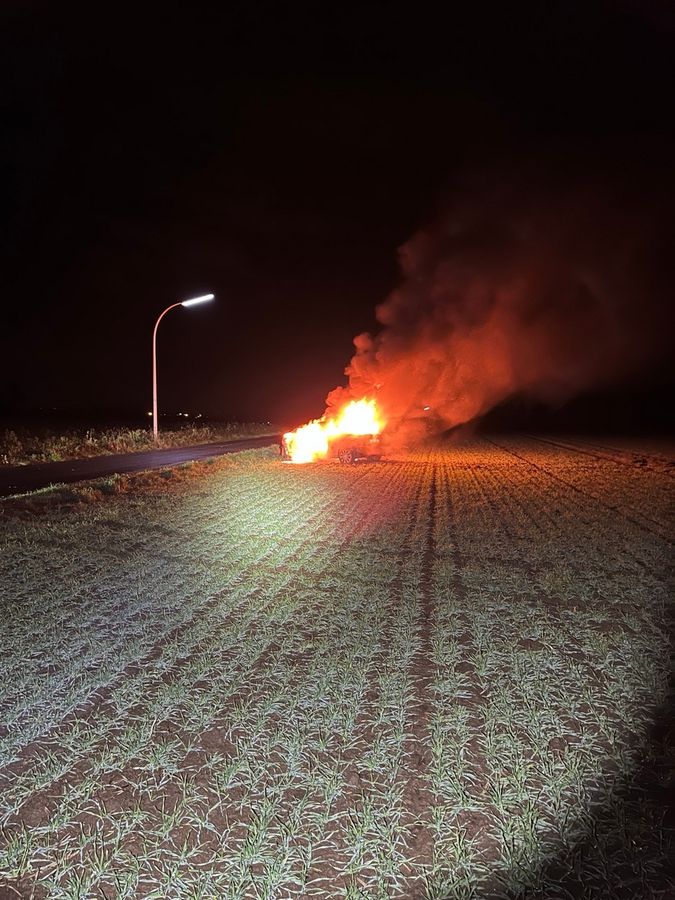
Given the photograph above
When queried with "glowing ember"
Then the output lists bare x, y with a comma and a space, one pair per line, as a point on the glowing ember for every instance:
312, 441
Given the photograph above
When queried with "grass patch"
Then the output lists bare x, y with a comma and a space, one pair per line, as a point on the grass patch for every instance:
21, 446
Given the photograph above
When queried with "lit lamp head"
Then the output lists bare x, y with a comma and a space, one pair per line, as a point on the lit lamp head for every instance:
196, 300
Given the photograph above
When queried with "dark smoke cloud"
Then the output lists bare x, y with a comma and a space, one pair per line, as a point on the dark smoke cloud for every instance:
527, 284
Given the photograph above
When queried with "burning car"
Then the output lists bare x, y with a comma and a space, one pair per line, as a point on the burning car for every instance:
353, 448
350, 436
347, 449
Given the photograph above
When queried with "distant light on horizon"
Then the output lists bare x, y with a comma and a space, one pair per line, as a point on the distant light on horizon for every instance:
195, 300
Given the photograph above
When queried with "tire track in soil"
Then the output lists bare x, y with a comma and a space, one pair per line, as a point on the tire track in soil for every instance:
418, 798
585, 515
636, 464
587, 496
478, 826
585, 512
635, 467
330, 861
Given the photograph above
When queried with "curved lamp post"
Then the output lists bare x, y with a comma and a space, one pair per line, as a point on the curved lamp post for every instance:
192, 302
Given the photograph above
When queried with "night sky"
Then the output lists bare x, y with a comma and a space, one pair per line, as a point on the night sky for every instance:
278, 155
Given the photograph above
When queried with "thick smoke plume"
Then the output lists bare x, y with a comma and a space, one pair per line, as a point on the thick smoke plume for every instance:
515, 289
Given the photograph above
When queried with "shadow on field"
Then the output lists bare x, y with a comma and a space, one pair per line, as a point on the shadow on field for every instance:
626, 850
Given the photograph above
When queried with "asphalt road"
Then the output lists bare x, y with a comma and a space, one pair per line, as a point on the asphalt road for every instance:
19, 479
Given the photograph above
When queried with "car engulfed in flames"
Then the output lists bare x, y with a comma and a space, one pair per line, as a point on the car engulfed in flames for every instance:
347, 449
351, 435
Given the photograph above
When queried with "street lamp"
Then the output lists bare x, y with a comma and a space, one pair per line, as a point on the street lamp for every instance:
192, 302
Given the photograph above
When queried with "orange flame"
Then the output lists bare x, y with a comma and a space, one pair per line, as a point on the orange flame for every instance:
312, 441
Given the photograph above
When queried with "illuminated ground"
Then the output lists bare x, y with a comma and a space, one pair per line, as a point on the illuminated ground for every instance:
440, 676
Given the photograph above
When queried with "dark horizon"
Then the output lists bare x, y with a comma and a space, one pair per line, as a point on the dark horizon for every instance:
623, 410
279, 158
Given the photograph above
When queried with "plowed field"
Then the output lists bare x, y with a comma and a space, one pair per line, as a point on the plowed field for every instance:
445, 675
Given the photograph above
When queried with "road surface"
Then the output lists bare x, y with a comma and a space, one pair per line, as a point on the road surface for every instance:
20, 479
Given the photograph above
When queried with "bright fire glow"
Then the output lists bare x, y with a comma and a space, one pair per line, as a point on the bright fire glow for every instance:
312, 441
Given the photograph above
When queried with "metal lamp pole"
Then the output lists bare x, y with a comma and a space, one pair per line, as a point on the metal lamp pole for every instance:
193, 302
